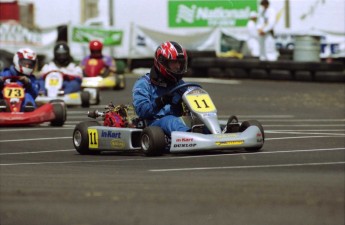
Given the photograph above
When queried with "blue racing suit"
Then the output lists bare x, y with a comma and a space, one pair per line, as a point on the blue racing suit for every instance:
168, 118
31, 91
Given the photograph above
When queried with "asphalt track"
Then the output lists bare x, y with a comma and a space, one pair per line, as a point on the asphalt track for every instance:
297, 178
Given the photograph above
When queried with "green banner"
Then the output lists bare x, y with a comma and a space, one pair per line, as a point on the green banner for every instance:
210, 13
108, 37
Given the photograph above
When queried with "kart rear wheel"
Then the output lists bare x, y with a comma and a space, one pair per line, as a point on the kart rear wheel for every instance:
85, 99
81, 138
59, 108
98, 97
152, 141
120, 82
245, 125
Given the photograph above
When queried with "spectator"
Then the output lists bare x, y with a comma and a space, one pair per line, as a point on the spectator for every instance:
253, 39
266, 23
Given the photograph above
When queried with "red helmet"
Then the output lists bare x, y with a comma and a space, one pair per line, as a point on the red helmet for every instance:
171, 61
96, 48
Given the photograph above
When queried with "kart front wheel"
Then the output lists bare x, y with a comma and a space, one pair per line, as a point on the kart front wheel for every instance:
81, 138
245, 125
152, 141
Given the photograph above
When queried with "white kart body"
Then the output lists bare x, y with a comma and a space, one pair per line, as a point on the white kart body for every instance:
53, 85
201, 111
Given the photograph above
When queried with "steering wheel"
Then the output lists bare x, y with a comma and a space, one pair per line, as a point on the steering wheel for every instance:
179, 87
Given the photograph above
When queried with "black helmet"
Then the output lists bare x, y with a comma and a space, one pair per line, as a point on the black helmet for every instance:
62, 55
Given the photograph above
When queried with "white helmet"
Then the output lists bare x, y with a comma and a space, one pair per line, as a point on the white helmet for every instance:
25, 60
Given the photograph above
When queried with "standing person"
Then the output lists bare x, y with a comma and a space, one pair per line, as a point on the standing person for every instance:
63, 62
150, 92
96, 48
253, 36
266, 23
24, 63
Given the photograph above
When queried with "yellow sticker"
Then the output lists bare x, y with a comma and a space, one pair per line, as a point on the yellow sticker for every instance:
201, 103
226, 143
117, 144
93, 138
14, 92
92, 62
53, 82
74, 95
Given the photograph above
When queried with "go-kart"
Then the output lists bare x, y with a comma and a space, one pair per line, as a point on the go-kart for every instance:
123, 131
98, 75
53, 83
11, 113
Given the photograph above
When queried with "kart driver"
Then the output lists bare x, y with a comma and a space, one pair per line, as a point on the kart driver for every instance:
151, 100
63, 62
96, 47
24, 62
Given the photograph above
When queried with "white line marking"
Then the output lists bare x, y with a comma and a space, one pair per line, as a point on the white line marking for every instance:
247, 167
283, 138
176, 157
35, 139
303, 132
39, 152
65, 127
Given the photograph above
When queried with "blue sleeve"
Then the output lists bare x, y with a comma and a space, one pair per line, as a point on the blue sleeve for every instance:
144, 99
34, 89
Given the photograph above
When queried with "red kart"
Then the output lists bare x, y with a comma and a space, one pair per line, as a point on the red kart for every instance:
98, 75
11, 113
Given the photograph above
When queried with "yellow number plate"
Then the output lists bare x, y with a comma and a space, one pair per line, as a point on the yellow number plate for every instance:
53, 82
93, 138
14, 92
201, 103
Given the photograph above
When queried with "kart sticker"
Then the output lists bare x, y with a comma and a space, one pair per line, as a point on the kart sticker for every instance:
92, 62
74, 95
14, 92
93, 138
201, 103
117, 144
54, 82
227, 143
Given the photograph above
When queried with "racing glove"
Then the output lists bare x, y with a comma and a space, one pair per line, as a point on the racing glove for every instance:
26, 81
163, 100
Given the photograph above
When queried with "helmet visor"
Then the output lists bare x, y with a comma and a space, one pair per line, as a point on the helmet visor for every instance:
27, 63
178, 66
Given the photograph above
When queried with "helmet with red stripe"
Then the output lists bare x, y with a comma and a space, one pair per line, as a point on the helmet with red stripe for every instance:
25, 61
171, 61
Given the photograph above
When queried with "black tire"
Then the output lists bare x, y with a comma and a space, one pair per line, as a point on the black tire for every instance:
152, 141
120, 82
60, 112
85, 99
81, 138
98, 97
245, 125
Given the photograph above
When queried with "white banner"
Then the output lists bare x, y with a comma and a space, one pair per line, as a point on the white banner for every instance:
14, 36
144, 41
